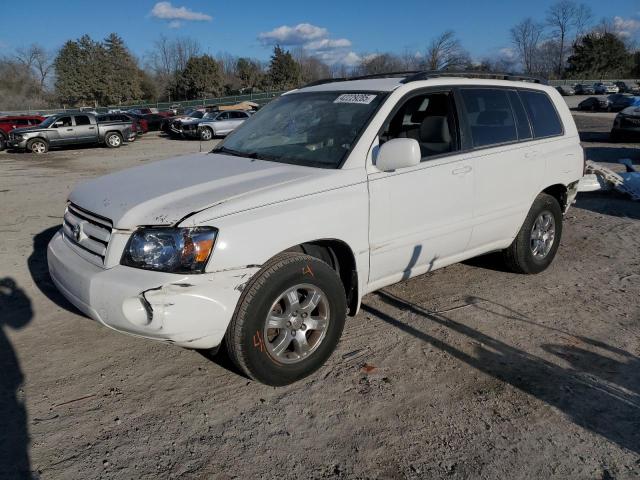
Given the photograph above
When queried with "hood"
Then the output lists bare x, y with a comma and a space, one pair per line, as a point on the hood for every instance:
633, 111
191, 121
35, 128
167, 191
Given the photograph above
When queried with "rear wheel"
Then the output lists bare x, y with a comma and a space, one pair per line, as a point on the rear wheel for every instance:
288, 320
3, 142
113, 140
37, 146
536, 244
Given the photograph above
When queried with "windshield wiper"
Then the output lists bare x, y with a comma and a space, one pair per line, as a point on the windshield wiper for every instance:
238, 153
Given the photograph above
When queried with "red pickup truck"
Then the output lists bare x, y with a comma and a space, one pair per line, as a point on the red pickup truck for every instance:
20, 121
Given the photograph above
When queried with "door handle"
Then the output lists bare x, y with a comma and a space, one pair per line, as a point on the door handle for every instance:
92, 128
69, 129
461, 170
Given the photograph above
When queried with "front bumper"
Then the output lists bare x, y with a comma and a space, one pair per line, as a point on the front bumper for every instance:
17, 144
192, 311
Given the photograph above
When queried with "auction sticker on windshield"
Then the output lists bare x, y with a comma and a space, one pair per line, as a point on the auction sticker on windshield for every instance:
362, 98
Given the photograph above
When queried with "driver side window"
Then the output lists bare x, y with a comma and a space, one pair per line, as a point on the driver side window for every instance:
430, 120
62, 122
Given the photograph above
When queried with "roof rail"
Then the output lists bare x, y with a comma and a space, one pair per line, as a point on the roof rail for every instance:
427, 74
362, 77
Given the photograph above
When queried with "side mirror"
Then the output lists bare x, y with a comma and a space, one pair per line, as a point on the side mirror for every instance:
398, 153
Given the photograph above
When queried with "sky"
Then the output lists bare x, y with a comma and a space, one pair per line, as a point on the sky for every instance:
338, 32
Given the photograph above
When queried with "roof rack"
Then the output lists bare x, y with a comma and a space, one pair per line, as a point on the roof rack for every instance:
415, 75
427, 74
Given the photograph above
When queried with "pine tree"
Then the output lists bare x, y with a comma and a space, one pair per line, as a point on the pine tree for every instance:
201, 78
284, 71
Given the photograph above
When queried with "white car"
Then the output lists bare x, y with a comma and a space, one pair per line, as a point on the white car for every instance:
328, 193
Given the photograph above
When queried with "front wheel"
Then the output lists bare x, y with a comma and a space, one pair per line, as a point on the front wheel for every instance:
288, 321
37, 146
3, 143
113, 140
537, 242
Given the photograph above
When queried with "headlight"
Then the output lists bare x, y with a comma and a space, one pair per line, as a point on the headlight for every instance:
173, 250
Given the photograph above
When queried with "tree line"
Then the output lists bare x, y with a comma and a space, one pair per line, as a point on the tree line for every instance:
566, 43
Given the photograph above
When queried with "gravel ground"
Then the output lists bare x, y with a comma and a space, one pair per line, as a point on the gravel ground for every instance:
467, 372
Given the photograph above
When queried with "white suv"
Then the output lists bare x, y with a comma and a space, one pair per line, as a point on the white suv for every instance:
331, 191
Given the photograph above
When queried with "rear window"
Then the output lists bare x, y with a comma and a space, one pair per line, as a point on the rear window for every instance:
82, 120
542, 114
489, 116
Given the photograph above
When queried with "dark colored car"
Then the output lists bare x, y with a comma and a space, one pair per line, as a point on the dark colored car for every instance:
620, 101
593, 104
190, 113
139, 125
624, 88
154, 120
626, 124
582, 89
565, 90
20, 121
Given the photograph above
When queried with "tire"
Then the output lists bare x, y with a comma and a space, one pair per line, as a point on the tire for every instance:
37, 146
113, 140
3, 142
206, 134
275, 356
528, 254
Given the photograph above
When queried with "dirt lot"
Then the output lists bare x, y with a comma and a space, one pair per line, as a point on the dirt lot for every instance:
468, 372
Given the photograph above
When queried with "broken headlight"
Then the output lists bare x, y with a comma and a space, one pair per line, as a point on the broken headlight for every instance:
173, 250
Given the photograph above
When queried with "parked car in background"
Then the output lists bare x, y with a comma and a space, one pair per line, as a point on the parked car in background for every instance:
622, 87
328, 193
140, 111
582, 89
620, 101
593, 104
70, 129
190, 113
635, 89
17, 121
626, 125
139, 125
154, 120
604, 88
566, 90
213, 124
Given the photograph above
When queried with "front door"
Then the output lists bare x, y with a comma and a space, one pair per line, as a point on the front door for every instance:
421, 217
62, 131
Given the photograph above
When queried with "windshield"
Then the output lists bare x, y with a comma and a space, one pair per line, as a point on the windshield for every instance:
210, 116
48, 121
314, 129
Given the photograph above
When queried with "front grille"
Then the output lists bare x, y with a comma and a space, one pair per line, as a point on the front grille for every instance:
87, 231
630, 121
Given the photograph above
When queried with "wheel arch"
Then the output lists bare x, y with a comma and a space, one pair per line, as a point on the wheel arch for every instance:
560, 193
339, 255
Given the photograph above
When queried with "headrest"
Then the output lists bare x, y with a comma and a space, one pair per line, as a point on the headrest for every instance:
435, 130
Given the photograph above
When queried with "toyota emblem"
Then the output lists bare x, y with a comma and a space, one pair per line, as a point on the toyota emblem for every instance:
77, 230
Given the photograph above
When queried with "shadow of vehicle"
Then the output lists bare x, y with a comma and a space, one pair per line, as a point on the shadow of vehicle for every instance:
612, 154
39, 269
609, 203
16, 313
597, 405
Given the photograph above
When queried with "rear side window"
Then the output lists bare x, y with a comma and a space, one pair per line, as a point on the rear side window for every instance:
489, 116
82, 120
522, 121
542, 114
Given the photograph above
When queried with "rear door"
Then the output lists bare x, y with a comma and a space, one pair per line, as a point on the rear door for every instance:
223, 123
85, 131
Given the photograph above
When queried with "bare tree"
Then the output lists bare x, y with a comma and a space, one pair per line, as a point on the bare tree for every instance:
525, 37
445, 52
563, 17
583, 19
169, 58
37, 60
379, 63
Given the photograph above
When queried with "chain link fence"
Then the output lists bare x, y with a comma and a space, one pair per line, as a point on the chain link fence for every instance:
259, 98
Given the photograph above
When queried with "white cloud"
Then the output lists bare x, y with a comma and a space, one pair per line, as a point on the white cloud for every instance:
327, 43
298, 35
166, 11
315, 40
507, 52
626, 27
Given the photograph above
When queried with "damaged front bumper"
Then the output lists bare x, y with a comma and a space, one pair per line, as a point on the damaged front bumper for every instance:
192, 311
